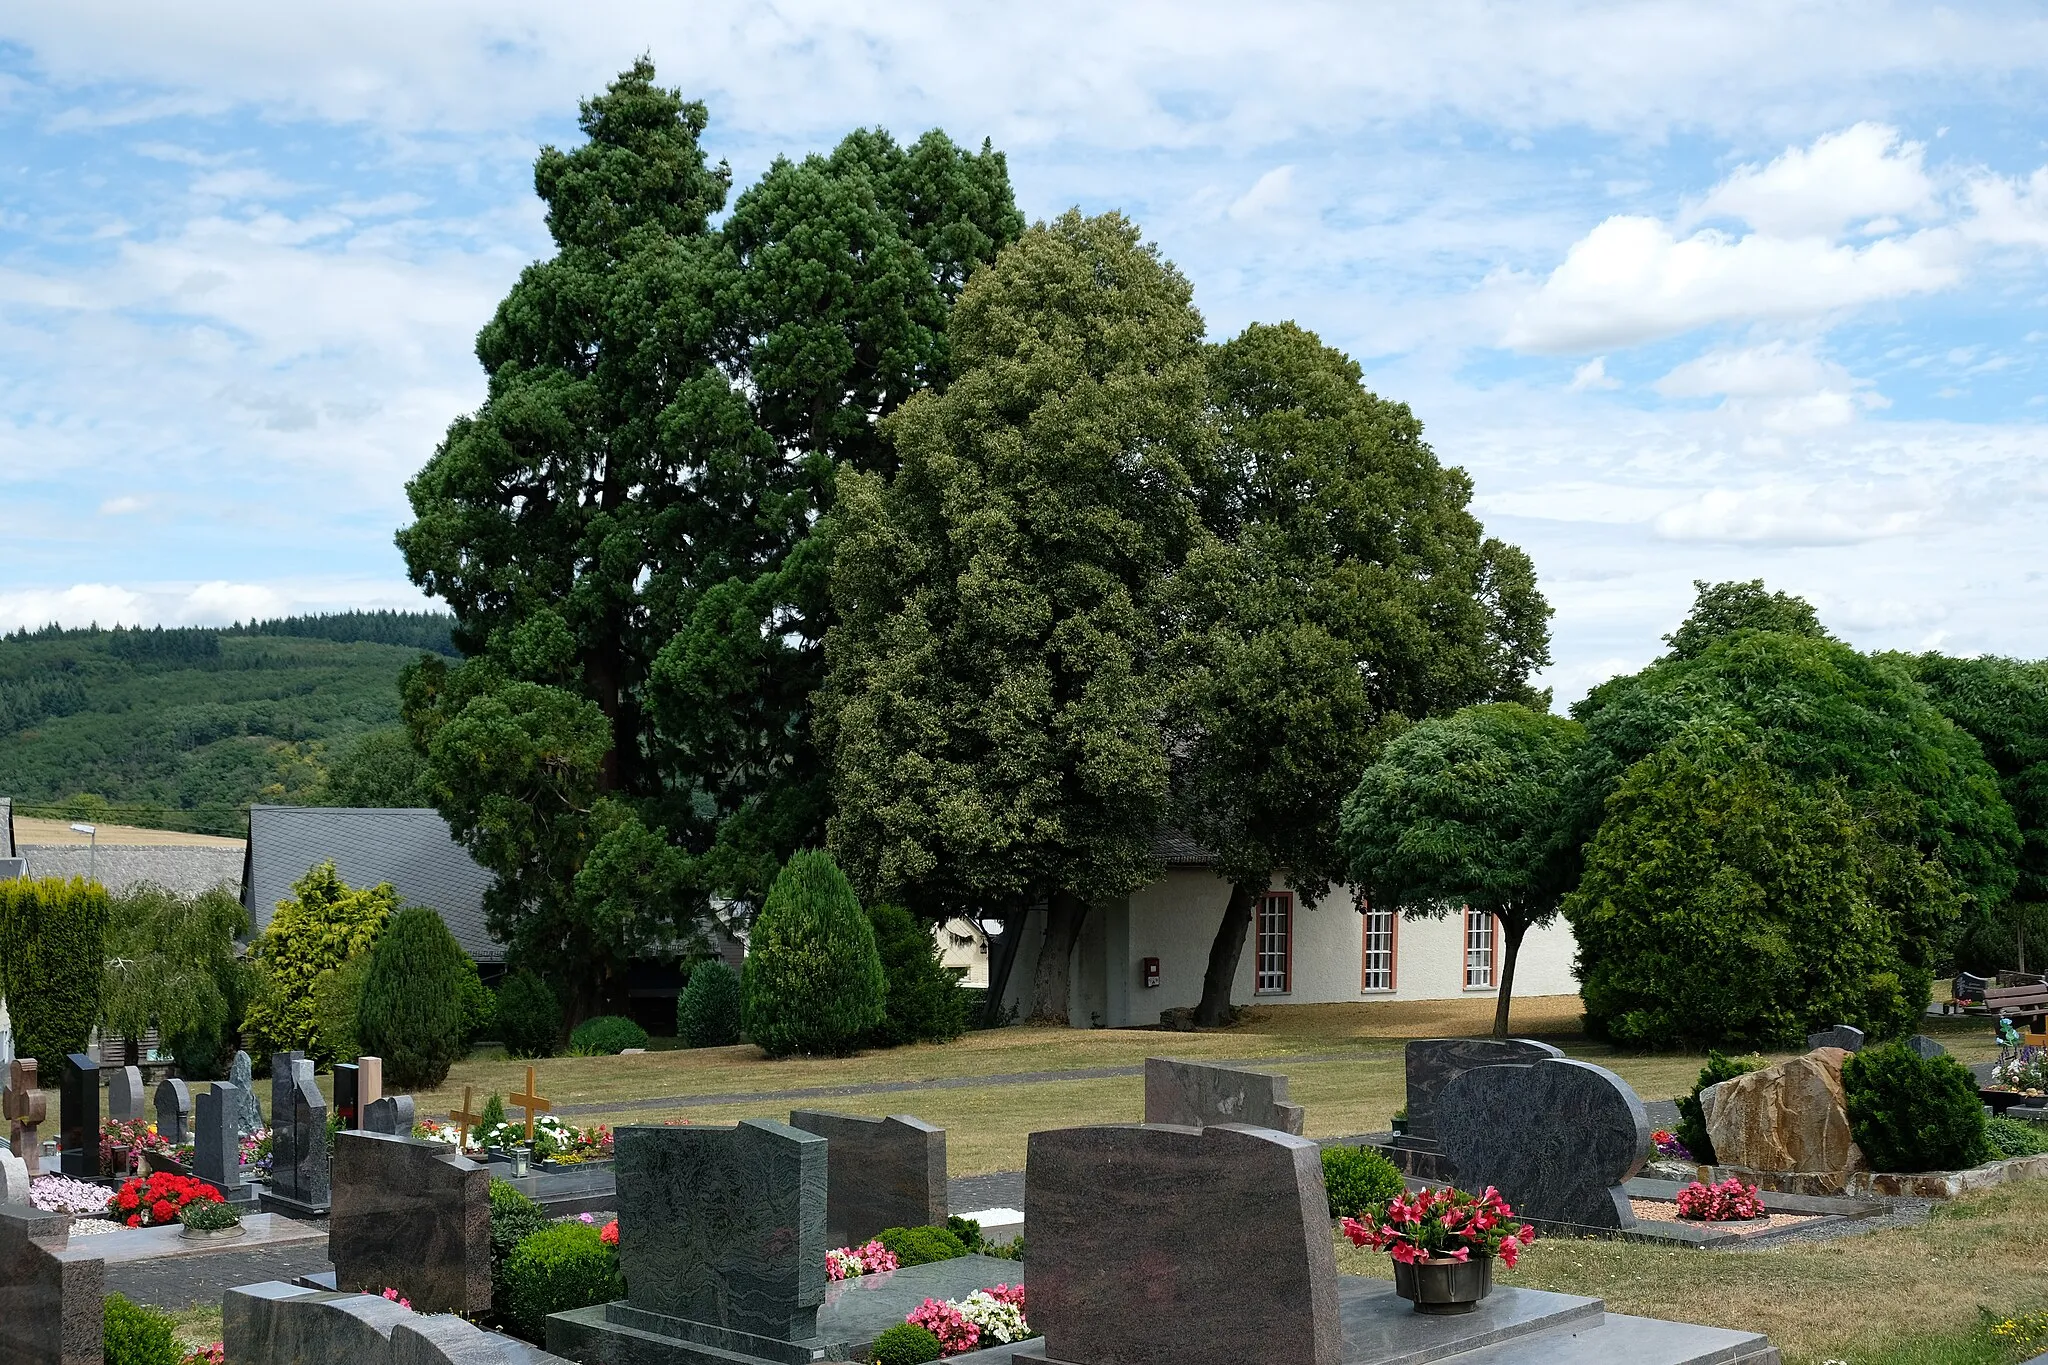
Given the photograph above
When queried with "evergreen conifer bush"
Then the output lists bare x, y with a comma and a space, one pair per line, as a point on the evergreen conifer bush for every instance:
52, 952
563, 1266
1913, 1113
905, 1344
708, 1010
529, 1018
923, 1002
607, 1035
411, 1008
1357, 1178
324, 924
337, 1002
479, 1006
137, 1335
813, 981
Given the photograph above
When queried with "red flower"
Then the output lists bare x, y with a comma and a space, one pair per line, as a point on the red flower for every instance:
128, 1199
610, 1235
134, 1220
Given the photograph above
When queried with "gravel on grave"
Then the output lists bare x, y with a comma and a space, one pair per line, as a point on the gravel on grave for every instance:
1665, 1211
1898, 1213
91, 1227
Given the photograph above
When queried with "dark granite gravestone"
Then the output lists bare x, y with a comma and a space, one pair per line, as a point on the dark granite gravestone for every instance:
348, 1105
879, 1173
1205, 1246
1847, 1037
1432, 1064
216, 1146
413, 1216
248, 1109
298, 1139
1923, 1046
174, 1111
51, 1292
1193, 1094
126, 1101
25, 1109
1557, 1139
390, 1115
79, 1117
288, 1324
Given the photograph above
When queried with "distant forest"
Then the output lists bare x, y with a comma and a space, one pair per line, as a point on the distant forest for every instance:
183, 728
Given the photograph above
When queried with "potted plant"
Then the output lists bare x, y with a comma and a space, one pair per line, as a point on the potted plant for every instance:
1401, 1119
209, 1222
1443, 1243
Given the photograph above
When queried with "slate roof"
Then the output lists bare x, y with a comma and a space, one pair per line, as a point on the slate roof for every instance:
411, 849
1175, 849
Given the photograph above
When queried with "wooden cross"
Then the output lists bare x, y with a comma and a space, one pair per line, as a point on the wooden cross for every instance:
533, 1104
463, 1119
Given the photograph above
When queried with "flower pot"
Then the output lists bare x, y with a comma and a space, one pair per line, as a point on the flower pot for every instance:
214, 1234
1444, 1286
1401, 1125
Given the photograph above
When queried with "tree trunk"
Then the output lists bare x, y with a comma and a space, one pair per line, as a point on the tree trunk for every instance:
1514, 927
1224, 953
1049, 993
1002, 958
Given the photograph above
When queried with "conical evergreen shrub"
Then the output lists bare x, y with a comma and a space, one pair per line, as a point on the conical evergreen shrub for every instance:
529, 1016
813, 980
924, 1003
411, 1008
708, 1010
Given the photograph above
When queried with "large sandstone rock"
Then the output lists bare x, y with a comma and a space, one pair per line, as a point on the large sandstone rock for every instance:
1788, 1117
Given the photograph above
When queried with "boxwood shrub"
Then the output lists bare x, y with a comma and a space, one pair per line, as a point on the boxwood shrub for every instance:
920, 1246
606, 1036
708, 1010
1357, 1178
136, 1335
514, 1218
563, 1266
905, 1344
1913, 1113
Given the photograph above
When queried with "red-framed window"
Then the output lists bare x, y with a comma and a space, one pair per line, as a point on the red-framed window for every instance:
1273, 972
1376, 965
1479, 949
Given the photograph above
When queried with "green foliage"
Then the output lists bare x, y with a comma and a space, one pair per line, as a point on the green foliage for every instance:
1692, 1119
2015, 1137
412, 1010
514, 1218
708, 1009
1720, 610
1357, 1179
52, 955
479, 1006
171, 965
337, 1009
378, 767
133, 1334
1913, 1113
1012, 1250
563, 1266
322, 924
921, 1245
967, 1230
812, 982
203, 1215
428, 630
905, 1344
529, 1020
606, 1036
923, 1002
491, 1115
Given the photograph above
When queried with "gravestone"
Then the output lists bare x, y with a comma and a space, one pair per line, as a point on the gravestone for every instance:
248, 1109
217, 1146
1557, 1139
879, 1173
174, 1111
1847, 1037
126, 1102
1205, 1246
390, 1115
414, 1216
369, 1081
79, 1117
51, 1293
289, 1324
25, 1109
13, 1178
1923, 1046
347, 1097
1433, 1063
298, 1138
1193, 1094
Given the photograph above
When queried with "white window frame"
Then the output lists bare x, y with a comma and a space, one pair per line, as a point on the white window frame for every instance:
1273, 944
1482, 942
1381, 934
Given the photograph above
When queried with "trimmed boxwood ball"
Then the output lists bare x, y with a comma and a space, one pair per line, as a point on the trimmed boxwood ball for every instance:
563, 1266
410, 1013
1357, 1178
921, 1246
813, 980
606, 1036
135, 1335
529, 1016
905, 1344
1913, 1113
514, 1218
923, 1002
708, 1010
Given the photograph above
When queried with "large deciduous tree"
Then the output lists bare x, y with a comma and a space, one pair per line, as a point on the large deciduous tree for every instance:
1342, 588
994, 697
625, 529
1462, 810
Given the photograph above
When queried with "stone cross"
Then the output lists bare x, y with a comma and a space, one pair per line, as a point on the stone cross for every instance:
125, 1102
1214, 1239
1432, 1063
1193, 1094
1847, 1037
52, 1294
248, 1110
465, 1118
79, 1117
298, 1137
347, 1095
174, 1111
532, 1103
26, 1109
1558, 1139
879, 1173
412, 1216
390, 1115
216, 1145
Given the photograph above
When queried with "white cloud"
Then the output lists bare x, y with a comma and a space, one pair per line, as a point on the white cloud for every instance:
79, 605
1794, 513
1861, 173
1271, 191
217, 603
1593, 375
2010, 211
121, 506
1785, 387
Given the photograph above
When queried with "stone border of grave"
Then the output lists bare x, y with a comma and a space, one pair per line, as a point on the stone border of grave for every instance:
1831, 1216
1893, 1184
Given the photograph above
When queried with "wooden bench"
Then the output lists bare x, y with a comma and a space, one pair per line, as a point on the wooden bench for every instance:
2022, 1002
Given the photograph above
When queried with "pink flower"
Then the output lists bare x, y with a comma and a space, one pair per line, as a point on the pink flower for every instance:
955, 1333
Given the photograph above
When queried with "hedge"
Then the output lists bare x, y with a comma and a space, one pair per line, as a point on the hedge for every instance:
52, 957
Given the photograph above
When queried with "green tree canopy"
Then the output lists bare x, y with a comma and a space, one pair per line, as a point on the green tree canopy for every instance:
321, 925
1721, 609
171, 962
994, 696
1344, 587
1463, 810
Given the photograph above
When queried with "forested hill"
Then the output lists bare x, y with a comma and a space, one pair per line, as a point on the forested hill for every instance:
183, 728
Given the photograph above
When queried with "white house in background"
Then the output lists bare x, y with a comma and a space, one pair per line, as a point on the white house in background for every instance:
1148, 954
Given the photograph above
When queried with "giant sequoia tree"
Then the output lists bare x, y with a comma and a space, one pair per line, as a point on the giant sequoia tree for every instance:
625, 528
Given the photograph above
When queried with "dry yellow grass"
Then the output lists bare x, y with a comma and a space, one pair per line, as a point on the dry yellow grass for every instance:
32, 831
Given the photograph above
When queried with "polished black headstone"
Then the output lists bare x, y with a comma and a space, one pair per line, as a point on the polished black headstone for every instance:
298, 1137
79, 1117
1432, 1063
1557, 1139
174, 1111
347, 1104
413, 1216
216, 1146
880, 1173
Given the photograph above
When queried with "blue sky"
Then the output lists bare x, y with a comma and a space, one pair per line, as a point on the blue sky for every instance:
1692, 291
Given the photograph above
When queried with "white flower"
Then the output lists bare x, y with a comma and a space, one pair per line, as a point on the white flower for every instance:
1000, 1323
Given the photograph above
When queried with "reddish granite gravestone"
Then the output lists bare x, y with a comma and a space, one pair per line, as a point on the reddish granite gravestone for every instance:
50, 1292
25, 1110
879, 1173
412, 1216
1194, 1246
